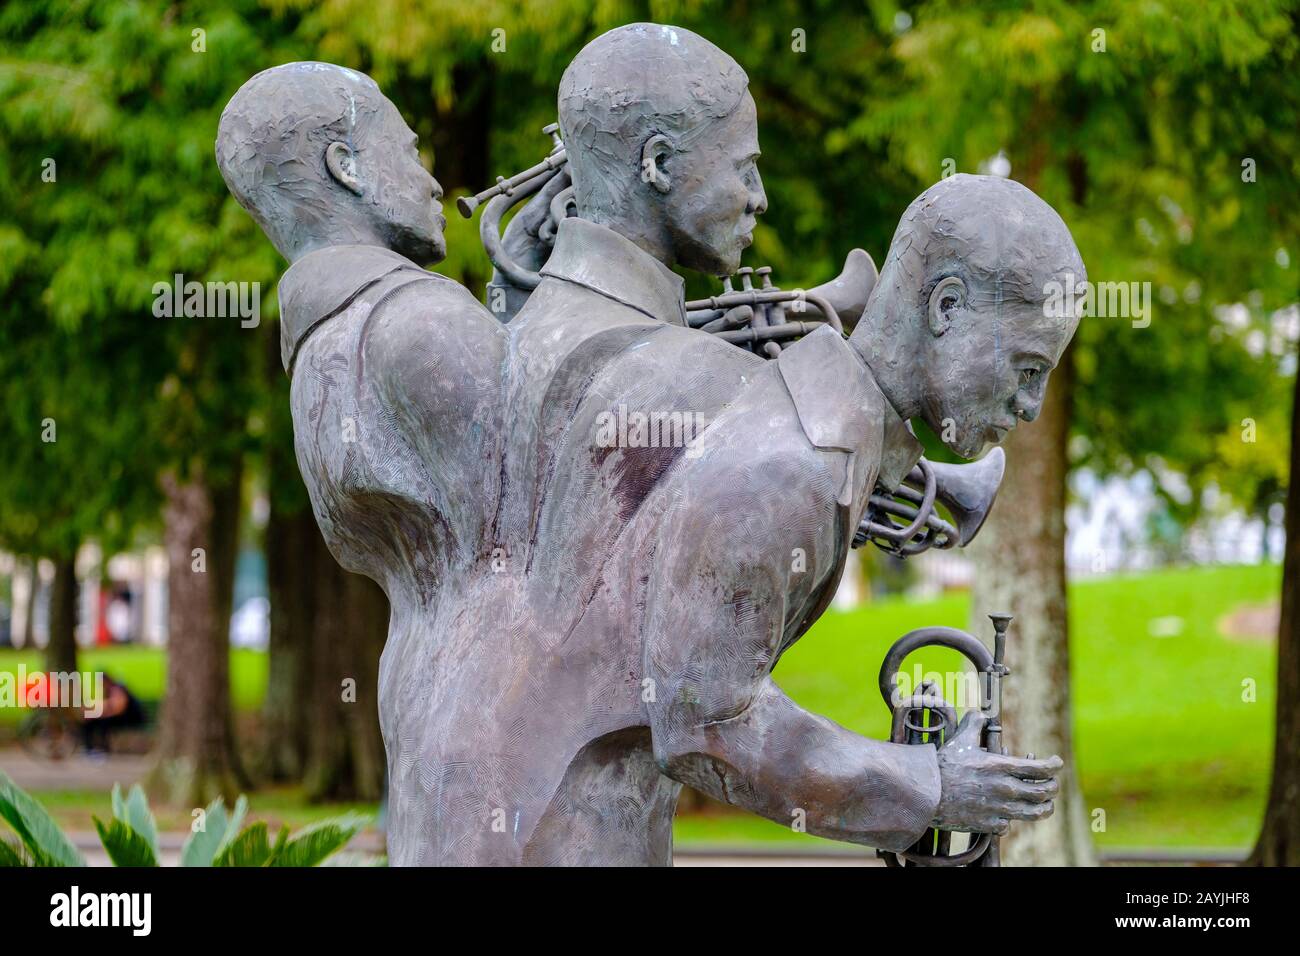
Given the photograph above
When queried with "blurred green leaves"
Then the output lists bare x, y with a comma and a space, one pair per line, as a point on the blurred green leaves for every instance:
1139, 147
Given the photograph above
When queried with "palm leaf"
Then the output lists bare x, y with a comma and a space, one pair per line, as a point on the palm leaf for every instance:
201, 846
134, 811
250, 848
281, 841
11, 854
124, 844
40, 834
236, 821
311, 845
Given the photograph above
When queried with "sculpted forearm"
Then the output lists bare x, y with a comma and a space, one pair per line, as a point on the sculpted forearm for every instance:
796, 768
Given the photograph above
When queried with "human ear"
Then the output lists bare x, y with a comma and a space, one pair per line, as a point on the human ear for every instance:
948, 298
656, 149
342, 166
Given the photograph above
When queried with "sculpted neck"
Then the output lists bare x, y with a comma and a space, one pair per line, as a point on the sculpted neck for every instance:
635, 222
886, 339
340, 233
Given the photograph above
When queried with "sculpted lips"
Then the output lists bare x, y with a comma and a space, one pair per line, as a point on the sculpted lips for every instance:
745, 231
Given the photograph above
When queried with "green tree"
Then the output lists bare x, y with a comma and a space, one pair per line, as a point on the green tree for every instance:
124, 98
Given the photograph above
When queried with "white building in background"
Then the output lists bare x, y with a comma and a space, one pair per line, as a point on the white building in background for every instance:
1111, 527
123, 599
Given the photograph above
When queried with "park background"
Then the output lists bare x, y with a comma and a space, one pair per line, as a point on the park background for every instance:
1139, 537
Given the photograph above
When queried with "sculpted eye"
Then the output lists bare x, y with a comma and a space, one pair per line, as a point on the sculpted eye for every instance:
1029, 376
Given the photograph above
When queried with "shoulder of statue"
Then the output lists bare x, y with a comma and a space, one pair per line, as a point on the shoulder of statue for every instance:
839, 404
324, 283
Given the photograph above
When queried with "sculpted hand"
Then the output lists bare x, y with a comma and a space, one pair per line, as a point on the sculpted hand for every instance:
521, 240
982, 792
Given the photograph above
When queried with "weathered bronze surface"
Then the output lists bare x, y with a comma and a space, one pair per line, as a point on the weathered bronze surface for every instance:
598, 524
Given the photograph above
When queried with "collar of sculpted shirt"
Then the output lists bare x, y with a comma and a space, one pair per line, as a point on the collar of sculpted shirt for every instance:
597, 258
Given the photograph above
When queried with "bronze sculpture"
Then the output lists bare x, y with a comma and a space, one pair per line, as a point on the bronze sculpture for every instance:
579, 626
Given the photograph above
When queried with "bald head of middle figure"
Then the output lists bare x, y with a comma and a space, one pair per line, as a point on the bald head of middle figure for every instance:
662, 140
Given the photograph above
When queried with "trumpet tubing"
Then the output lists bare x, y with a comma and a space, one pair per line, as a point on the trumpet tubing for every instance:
905, 522
506, 187
924, 718
778, 313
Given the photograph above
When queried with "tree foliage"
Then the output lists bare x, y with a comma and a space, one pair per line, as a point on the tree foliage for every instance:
1139, 146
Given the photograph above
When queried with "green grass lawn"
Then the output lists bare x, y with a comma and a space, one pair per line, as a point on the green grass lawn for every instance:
1165, 743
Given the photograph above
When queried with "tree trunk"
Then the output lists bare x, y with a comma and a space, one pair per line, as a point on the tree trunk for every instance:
346, 749
33, 596
1279, 839
197, 755
1020, 568
294, 548
61, 649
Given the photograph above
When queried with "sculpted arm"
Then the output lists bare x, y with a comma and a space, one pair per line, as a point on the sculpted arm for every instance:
720, 724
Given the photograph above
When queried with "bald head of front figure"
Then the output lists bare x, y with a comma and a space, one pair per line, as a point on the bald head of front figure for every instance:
960, 328
662, 139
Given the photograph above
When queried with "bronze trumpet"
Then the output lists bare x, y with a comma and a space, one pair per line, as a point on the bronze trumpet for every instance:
516, 280
906, 521
925, 718
507, 187
767, 322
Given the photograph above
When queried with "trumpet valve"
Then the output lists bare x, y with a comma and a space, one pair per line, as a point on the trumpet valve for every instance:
553, 130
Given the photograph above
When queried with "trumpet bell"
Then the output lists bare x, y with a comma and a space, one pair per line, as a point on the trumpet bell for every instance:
968, 491
849, 291
907, 522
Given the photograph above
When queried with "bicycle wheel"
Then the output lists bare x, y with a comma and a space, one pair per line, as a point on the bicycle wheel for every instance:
50, 734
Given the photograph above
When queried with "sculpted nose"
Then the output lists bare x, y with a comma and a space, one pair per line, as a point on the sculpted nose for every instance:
437, 188
757, 197
1026, 408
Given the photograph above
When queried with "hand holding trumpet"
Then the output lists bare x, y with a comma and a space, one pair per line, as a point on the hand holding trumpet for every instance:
983, 792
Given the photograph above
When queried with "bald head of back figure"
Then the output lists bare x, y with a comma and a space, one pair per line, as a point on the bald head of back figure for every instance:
320, 157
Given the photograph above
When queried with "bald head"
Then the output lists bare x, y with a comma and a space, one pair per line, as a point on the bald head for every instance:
319, 156
651, 115
956, 330
993, 232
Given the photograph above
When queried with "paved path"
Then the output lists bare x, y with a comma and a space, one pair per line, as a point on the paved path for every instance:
77, 772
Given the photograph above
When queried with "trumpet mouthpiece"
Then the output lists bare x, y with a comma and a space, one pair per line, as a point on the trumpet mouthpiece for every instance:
467, 205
